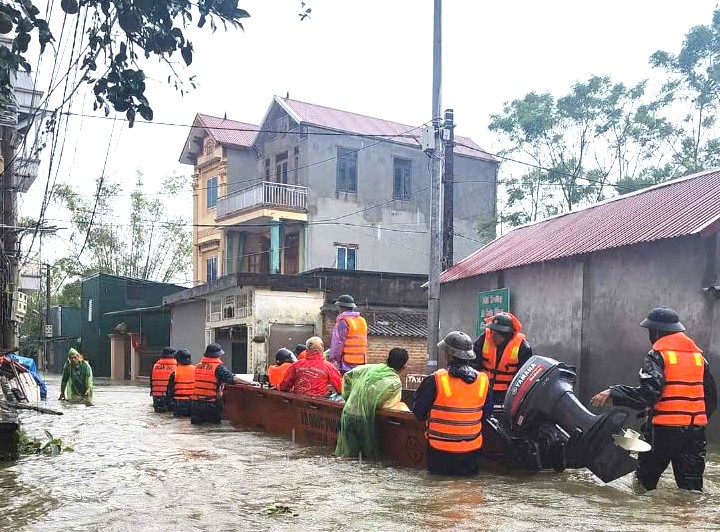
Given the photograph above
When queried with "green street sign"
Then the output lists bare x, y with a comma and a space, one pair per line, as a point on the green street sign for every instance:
490, 303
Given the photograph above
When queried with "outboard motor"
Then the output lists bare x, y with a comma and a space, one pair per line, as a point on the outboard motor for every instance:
541, 397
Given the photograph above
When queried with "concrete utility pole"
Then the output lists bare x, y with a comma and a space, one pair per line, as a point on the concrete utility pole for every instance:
9, 266
435, 196
48, 322
448, 189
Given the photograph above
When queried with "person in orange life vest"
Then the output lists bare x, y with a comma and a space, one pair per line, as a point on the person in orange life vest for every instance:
182, 383
300, 351
159, 379
348, 346
451, 403
312, 375
500, 351
284, 358
210, 375
678, 393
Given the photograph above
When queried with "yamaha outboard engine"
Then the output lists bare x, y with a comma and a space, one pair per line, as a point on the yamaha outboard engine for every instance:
541, 396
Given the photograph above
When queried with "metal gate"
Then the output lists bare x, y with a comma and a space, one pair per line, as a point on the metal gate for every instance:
287, 335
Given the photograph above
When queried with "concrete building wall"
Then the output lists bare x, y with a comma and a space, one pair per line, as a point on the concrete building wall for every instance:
459, 303
547, 299
187, 328
393, 236
474, 201
622, 285
241, 168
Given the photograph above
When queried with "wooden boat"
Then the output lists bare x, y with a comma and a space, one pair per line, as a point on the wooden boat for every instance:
540, 426
401, 437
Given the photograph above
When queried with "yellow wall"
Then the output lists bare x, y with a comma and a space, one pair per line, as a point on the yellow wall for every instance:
207, 167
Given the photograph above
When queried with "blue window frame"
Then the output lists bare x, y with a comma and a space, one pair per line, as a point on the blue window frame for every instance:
346, 258
346, 170
212, 272
402, 178
212, 192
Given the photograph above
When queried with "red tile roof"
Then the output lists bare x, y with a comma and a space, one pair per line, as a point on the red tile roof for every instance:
682, 207
228, 132
336, 119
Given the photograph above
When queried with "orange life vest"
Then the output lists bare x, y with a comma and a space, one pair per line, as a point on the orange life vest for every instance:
501, 372
682, 402
277, 373
184, 382
455, 421
356, 344
302, 355
162, 369
206, 384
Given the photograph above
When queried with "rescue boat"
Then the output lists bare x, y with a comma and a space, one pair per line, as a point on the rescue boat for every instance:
540, 426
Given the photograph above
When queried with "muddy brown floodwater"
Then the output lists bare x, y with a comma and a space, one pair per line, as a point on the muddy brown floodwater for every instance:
133, 469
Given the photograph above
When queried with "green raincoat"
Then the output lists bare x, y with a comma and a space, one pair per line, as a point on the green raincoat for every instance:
76, 381
365, 389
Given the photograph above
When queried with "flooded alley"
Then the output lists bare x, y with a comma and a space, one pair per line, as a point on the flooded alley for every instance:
133, 469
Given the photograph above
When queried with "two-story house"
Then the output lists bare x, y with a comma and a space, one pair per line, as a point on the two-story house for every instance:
222, 153
315, 187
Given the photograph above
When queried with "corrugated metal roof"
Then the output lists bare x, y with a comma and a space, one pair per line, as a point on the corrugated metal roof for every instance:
681, 207
336, 119
222, 130
229, 132
408, 324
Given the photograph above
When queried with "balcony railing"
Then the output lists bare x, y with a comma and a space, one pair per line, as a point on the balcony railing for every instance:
265, 194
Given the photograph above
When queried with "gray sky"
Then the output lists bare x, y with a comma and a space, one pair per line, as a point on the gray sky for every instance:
372, 57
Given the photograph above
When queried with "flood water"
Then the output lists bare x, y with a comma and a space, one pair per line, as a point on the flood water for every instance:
133, 469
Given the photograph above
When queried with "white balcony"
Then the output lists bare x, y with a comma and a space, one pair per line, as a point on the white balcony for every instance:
261, 195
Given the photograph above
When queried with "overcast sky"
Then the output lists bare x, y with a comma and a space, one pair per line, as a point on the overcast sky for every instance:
372, 57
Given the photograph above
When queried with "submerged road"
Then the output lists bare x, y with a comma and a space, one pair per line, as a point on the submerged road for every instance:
133, 469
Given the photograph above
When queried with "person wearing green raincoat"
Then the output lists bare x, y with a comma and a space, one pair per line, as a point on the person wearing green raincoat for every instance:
77, 379
365, 389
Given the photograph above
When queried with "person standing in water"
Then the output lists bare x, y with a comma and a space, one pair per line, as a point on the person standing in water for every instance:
77, 379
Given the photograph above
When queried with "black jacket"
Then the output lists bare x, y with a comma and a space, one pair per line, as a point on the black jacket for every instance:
427, 391
524, 353
652, 382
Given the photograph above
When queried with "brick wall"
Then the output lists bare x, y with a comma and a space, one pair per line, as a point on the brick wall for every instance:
379, 346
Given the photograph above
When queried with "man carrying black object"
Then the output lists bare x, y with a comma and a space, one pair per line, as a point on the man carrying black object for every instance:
678, 392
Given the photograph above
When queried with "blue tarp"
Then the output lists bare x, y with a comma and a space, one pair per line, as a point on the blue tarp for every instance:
29, 364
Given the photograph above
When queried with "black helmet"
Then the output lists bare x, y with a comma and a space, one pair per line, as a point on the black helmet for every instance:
168, 352
663, 319
458, 344
502, 323
299, 349
284, 355
346, 301
183, 356
214, 350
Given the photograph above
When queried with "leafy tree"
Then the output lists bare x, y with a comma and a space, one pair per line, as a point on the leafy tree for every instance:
119, 36
70, 293
694, 88
153, 244
573, 148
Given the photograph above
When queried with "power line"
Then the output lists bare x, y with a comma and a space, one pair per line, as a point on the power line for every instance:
256, 130
97, 198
